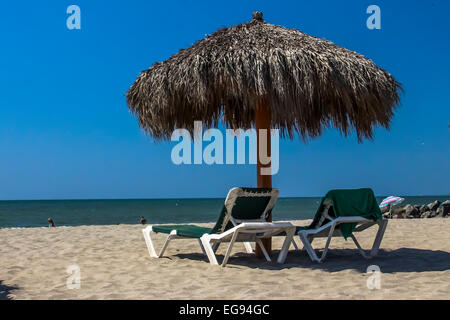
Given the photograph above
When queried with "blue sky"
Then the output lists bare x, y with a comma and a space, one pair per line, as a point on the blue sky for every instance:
66, 132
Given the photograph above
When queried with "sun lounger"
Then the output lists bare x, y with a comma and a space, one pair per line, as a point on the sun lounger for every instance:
243, 219
342, 213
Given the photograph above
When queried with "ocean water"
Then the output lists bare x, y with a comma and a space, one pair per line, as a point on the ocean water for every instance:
106, 212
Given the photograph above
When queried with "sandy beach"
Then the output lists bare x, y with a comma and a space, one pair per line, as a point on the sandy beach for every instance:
114, 263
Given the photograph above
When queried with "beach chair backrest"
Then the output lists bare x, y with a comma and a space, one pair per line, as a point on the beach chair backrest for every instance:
246, 205
325, 214
349, 202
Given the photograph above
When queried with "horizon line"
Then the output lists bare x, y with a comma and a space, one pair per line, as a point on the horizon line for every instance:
197, 198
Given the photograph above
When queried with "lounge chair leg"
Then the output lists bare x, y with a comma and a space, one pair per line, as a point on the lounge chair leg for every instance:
201, 246
148, 242
230, 246
310, 240
307, 240
209, 250
166, 243
248, 247
266, 255
376, 244
215, 246
295, 245
307, 245
359, 247
325, 250
286, 244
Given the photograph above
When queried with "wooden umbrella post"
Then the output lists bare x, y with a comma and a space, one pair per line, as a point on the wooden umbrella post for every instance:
262, 121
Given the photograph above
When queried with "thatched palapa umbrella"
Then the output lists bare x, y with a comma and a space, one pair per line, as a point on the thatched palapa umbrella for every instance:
264, 76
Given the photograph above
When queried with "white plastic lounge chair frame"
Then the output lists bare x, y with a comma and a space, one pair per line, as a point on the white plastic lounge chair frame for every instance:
245, 231
248, 232
329, 230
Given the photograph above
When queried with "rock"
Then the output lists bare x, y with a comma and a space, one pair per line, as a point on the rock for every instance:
399, 213
425, 214
434, 205
411, 211
446, 208
400, 210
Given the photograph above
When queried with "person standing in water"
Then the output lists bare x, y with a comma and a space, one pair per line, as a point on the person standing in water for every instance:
50, 222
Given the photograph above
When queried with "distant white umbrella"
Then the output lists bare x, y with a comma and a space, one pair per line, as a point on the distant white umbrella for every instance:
392, 200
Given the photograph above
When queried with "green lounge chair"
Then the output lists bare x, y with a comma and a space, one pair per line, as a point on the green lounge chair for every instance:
341, 213
242, 219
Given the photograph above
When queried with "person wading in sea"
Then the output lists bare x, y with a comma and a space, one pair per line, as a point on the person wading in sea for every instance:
50, 222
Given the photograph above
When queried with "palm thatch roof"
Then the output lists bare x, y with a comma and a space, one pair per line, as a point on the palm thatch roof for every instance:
307, 83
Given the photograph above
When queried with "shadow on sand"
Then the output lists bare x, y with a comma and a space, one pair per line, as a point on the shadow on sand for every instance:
389, 261
5, 291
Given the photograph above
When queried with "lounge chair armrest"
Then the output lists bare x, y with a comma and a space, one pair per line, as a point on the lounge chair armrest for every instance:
253, 227
249, 225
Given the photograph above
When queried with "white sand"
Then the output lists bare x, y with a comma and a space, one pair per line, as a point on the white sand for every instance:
114, 263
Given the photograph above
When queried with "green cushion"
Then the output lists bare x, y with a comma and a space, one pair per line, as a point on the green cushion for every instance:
245, 208
185, 230
349, 202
